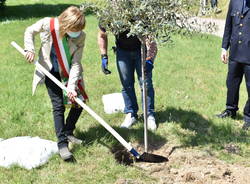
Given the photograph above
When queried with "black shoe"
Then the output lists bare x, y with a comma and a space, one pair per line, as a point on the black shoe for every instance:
246, 126
226, 114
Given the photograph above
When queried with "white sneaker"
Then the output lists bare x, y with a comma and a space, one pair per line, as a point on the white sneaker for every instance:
128, 121
151, 123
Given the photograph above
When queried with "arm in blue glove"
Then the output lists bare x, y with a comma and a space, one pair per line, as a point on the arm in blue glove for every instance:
149, 65
103, 44
105, 70
151, 54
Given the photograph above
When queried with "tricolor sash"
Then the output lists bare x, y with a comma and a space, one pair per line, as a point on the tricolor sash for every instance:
64, 61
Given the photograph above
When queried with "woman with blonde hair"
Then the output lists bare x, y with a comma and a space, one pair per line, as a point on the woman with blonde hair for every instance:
62, 42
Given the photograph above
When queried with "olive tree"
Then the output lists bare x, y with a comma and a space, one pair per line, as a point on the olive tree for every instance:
156, 20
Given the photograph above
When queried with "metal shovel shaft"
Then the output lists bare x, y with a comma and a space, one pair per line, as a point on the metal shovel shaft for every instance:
144, 96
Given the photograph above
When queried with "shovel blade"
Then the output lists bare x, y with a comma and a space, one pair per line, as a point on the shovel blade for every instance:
152, 158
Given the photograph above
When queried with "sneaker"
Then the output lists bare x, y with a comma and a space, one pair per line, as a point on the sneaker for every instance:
227, 113
151, 123
65, 153
128, 121
73, 139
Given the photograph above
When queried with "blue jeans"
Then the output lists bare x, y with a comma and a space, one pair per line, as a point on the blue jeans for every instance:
127, 63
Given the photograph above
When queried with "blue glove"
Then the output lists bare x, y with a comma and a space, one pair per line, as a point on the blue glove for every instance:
149, 65
105, 64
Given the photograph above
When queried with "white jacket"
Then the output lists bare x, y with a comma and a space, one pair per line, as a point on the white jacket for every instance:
75, 46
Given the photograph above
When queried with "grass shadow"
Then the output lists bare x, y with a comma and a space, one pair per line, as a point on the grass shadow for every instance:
202, 130
33, 10
100, 135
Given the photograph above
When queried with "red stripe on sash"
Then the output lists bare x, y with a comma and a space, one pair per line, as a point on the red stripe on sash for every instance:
84, 94
59, 57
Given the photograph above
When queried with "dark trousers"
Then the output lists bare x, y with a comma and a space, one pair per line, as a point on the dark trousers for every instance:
235, 74
213, 3
56, 97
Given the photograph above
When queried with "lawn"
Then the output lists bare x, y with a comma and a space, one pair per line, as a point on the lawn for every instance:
189, 81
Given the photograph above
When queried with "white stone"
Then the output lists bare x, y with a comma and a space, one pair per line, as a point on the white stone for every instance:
27, 152
113, 103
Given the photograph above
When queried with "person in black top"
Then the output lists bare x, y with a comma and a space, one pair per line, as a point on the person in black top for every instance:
128, 58
237, 38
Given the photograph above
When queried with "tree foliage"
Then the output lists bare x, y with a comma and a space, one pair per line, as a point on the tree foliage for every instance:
156, 19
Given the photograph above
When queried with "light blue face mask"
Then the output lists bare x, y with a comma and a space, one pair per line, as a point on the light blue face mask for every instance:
74, 34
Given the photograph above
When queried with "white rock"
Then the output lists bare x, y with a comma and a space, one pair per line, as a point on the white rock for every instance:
27, 152
113, 103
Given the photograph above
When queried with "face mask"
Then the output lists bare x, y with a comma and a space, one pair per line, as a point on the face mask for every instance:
74, 34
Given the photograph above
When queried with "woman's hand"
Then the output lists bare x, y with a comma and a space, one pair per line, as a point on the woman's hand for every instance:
30, 56
72, 94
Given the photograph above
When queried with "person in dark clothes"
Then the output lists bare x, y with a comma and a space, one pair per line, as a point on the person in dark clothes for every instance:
236, 38
214, 3
60, 53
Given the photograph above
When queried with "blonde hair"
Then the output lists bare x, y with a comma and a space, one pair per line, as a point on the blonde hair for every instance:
71, 19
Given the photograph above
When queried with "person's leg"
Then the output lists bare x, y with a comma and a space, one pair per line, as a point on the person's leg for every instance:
56, 96
126, 69
150, 90
149, 84
234, 78
247, 106
213, 3
71, 120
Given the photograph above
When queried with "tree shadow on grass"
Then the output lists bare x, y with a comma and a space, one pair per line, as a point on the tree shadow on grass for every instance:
100, 135
33, 10
202, 130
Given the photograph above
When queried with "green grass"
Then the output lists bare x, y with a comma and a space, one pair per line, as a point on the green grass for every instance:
189, 82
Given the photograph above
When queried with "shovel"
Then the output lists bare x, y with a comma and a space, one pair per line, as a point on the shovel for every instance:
145, 157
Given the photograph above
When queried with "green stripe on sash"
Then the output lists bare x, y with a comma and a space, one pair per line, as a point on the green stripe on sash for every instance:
66, 49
